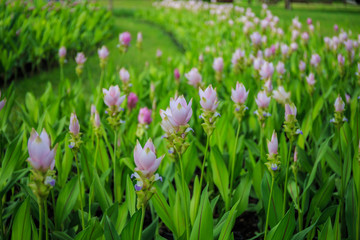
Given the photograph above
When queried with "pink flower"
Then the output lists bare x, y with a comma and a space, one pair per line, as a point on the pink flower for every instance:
284, 49
237, 56
281, 95
341, 59
239, 95
273, 144
294, 46
348, 98
262, 100
305, 36
267, 70
302, 66
208, 99
348, 45
80, 58
290, 110
176, 74
132, 100
194, 78
74, 126
93, 109
139, 37
144, 116
158, 53
218, 64
112, 96
268, 86
62, 52
125, 38
339, 104
280, 68
181, 112
40, 156
310, 79
103, 52
256, 39
124, 75
167, 123
97, 119
2, 103
336, 28
309, 21
258, 63
311, 28
295, 155
315, 60
145, 158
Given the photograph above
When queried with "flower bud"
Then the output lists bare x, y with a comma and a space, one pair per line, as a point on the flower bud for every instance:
62, 52
74, 126
144, 116
273, 145
194, 77
124, 75
262, 100
290, 110
176, 74
125, 38
208, 99
339, 104
103, 53
132, 100
239, 95
267, 70
218, 64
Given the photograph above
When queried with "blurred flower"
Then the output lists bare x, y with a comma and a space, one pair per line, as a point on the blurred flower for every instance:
302, 66
256, 39
112, 96
280, 68
339, 104
41, 157
341, 59
2, 102
194, 78
103, 53
208, 99
336, 28
96, 119
139, 37
167, 123
125, 38
273, 145
218, 64
305, 36
267, 70
124, 75
176, 74
145, 158
348, 98
262, 100
144, 116
74, 126
295, 155
239, 95
80, 58
309, 21
62, 52
181, 112
311, 79
132, 100
280, 95
158, 53
315, 60
290, 110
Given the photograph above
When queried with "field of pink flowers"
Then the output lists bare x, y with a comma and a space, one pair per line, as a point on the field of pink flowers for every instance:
252, 133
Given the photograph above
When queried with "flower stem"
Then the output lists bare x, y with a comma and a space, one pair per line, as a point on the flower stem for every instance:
286, 177
204, 160
269, 203
81, 202
116, 193
300, 220
232, 167
46, 221
184, 197
95, 169
40, 218
341, 181
142, 221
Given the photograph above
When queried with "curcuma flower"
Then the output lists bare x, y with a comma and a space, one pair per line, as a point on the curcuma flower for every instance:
74, 129
124, 41
263, 101
281, 96
62, 55
125, 79
194, 77
239, 96
209, 103
146, 165
291, 127
41, 157
132, 101
339, 117
218, 66
113, 100
266, 71
139, 40
273, 162
180, 110
80, 59
103, 53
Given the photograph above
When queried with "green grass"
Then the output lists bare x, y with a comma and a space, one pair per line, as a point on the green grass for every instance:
154, 38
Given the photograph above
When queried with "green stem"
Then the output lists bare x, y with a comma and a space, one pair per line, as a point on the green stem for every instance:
286, 177
300, 220
81, 191
40, 219
95, 167
261, 142
142, 221
184, 197
232, 168
61, 72
114, 163
268, 208
46, 221
204, 160
341, 179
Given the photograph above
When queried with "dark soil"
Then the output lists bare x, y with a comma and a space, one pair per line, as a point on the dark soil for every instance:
246, 226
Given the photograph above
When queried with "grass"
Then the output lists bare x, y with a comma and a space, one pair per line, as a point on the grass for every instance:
154, 38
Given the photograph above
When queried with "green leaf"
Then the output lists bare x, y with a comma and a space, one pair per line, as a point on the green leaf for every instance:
100, 193
242, 194
327, 232
130, 196
21, 228
92, 232
203, 225
109, 230
230, 221
66, 201
220, 173
131, 230
284, 230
